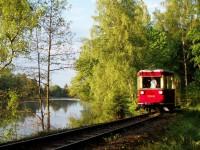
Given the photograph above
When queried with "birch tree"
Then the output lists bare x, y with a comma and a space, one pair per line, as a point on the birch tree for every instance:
56, 41
177, 21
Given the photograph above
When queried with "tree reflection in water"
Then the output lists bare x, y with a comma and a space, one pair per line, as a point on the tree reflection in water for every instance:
29, 121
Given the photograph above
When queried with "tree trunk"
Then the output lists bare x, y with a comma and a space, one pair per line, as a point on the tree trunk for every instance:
39, 84
185, 63
49, 64
48, 80
131, 94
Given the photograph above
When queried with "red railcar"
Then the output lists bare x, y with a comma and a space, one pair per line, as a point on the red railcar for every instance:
156, 89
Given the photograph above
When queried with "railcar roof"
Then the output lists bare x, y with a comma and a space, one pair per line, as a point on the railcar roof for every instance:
155, 72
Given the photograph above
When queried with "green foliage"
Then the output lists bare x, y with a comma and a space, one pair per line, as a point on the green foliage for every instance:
16, 19
80, 84
193, 89
194, 36
12, 103
123, 42
57, 91
182, 134
159, 53
110, 59
10, 109
179, 19
25, 87
8, 116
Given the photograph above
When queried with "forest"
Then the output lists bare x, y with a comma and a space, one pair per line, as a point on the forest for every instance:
126, 38
26, 88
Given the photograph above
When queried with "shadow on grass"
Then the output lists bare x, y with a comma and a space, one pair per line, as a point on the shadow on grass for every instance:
182, 134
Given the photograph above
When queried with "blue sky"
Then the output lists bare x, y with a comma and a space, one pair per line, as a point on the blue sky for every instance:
81, 16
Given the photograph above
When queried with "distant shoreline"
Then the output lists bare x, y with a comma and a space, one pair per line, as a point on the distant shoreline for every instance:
64, 98
54, 99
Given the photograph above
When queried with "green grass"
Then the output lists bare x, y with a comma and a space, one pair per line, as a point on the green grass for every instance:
182, 134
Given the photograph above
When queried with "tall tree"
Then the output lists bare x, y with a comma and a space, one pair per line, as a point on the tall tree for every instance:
110, 59
176, 21
57, 40
35, 47
50, 44
16, 18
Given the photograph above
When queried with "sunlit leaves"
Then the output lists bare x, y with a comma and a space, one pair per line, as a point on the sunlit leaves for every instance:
108, 63
178, 21
16, 18
194, 36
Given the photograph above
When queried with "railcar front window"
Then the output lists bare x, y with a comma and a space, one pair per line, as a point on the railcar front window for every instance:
151, 82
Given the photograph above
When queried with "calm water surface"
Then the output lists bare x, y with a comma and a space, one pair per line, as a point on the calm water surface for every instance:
61, 112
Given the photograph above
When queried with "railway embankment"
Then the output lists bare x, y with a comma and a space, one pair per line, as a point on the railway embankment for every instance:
172, 131
80, 137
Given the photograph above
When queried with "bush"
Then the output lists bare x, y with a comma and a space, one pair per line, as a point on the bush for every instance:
193, 94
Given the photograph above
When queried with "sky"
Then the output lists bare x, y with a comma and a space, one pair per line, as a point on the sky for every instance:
81, 16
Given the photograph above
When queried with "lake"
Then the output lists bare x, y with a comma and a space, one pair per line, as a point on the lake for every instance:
29, 123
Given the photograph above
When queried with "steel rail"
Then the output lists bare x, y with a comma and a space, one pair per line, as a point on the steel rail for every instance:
76, 138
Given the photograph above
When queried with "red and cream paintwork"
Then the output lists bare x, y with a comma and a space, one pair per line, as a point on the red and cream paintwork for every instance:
161, 96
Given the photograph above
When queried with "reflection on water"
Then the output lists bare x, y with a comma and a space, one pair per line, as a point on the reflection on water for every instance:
60, 113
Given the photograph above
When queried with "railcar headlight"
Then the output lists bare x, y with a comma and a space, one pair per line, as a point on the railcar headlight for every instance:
160, 92
141, 92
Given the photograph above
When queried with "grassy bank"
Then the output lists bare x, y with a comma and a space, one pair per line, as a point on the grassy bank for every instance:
182, 134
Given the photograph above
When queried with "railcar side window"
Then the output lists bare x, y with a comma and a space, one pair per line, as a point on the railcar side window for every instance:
148, 81
168, 82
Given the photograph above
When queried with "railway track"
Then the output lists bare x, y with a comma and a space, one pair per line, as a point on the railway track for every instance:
76, 138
